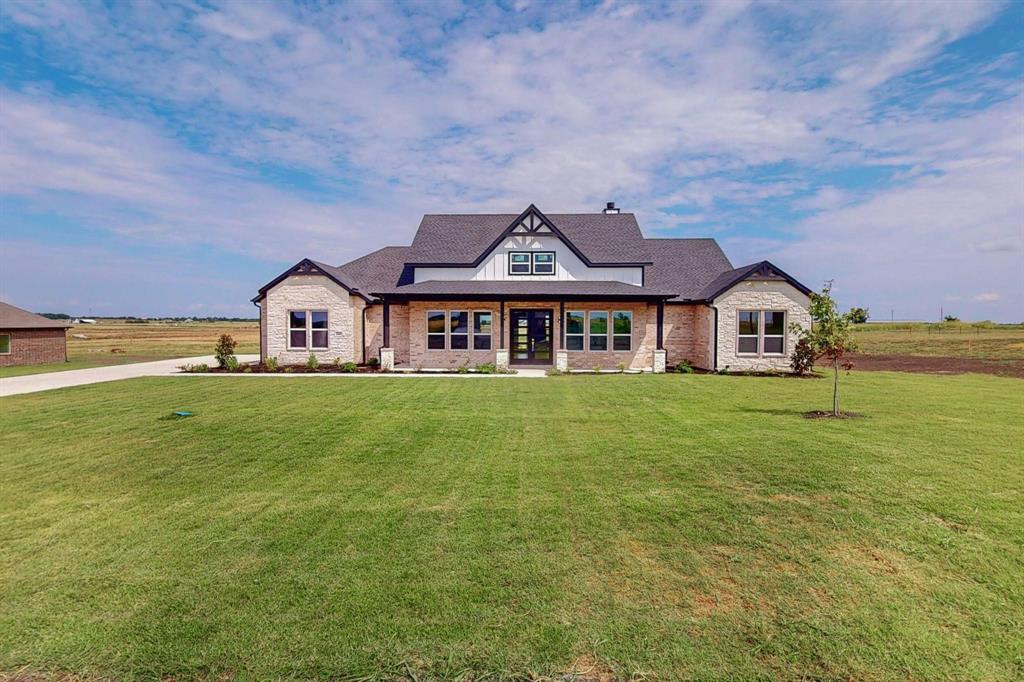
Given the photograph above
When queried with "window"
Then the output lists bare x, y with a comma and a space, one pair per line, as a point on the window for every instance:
458, 330
598, 331
435, 330
318, 325
482, 330
544, 263
622, 330
297, 329
774, 341
519, 263
531, 263
748, 332
307, 329
574, 322
5, 344
761, 332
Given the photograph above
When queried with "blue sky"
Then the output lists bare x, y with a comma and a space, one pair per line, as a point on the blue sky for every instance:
171, 158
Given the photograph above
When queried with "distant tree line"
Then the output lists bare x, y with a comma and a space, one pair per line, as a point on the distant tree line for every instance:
132, 319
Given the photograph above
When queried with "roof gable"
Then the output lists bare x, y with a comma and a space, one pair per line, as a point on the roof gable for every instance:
760, 271
465, 240
307, 266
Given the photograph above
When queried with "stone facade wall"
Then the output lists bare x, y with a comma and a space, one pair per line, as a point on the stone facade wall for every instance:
758, 295
34, 346
311, 292
687, 334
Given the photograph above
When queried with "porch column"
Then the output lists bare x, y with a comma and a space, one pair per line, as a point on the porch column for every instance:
501, 354
387, 324
660, 355
561, 354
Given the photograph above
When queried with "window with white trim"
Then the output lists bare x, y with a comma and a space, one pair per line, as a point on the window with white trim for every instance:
435, 329
598, 330
747, 332
458, 330
308, 329
622, 330
575, 321
5, 344
543, 262
297, 329
482, 329
773, 341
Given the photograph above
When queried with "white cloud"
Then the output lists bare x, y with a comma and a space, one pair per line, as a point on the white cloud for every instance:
989, 297
401, 112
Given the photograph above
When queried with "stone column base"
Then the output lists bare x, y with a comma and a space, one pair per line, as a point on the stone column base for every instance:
387, 359
562, 360
660, 357
501, 359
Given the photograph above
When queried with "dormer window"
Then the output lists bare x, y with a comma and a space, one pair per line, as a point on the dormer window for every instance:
531, 263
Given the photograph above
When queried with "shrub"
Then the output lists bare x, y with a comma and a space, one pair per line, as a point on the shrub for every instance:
348, 367
486, 368
554, 372
231, 363
598, 369
312, 362
802, 359
463, 369
224, 349
951, 318
373, 362
336, 362
201, 368
270, 364
247, 369
289, 370
684, 367
622, 367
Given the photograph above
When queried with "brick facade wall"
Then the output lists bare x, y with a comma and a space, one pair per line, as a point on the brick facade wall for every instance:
34, 346
758, 295
687, 335
399, 317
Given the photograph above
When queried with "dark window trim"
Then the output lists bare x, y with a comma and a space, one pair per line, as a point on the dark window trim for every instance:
531, 257
528, 263
10, 344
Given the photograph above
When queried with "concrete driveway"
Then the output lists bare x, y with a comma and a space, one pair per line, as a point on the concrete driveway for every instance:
79, 377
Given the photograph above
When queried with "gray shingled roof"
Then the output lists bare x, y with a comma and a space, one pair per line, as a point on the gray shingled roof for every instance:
525, 288
684, 266
463, 239
376, 271
12, 317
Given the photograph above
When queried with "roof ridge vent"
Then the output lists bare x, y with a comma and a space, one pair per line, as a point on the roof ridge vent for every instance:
609, 209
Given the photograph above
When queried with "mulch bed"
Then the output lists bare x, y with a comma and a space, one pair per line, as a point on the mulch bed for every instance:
936, 365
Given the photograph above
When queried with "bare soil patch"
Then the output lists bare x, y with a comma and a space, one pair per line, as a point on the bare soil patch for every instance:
937, 365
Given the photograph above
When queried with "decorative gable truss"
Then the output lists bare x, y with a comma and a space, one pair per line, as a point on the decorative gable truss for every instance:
532, 223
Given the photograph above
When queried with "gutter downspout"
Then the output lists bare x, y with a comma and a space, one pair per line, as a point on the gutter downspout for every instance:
714, 338
257, 304
363, 333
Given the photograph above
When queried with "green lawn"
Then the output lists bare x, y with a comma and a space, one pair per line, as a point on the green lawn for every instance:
666, 526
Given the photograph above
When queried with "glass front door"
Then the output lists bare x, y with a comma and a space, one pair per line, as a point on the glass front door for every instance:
531, 332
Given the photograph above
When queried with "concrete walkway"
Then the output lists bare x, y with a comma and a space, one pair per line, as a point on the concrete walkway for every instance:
32, 383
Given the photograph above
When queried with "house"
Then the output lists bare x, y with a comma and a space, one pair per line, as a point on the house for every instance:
572, 290
30, 339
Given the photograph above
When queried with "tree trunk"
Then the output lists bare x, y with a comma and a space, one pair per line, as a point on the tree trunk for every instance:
835, 386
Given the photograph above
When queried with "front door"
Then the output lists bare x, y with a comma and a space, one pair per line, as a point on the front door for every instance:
531, 337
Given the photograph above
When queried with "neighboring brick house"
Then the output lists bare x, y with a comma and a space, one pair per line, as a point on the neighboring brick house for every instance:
30, 339
572, 290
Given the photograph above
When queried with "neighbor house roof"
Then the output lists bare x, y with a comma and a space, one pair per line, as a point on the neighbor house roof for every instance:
12, 317
601, 239
526, 289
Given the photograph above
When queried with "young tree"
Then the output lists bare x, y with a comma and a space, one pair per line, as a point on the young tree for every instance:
830, 335
224, 349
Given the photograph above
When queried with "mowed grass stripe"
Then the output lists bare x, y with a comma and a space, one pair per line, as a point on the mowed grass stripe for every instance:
675, 526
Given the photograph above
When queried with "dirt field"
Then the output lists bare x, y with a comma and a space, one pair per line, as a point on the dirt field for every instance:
947, 348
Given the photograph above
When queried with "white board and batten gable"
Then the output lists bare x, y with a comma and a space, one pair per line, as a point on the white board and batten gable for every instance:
532, 235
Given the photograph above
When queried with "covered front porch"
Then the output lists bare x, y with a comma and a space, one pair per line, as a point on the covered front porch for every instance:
563, 332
